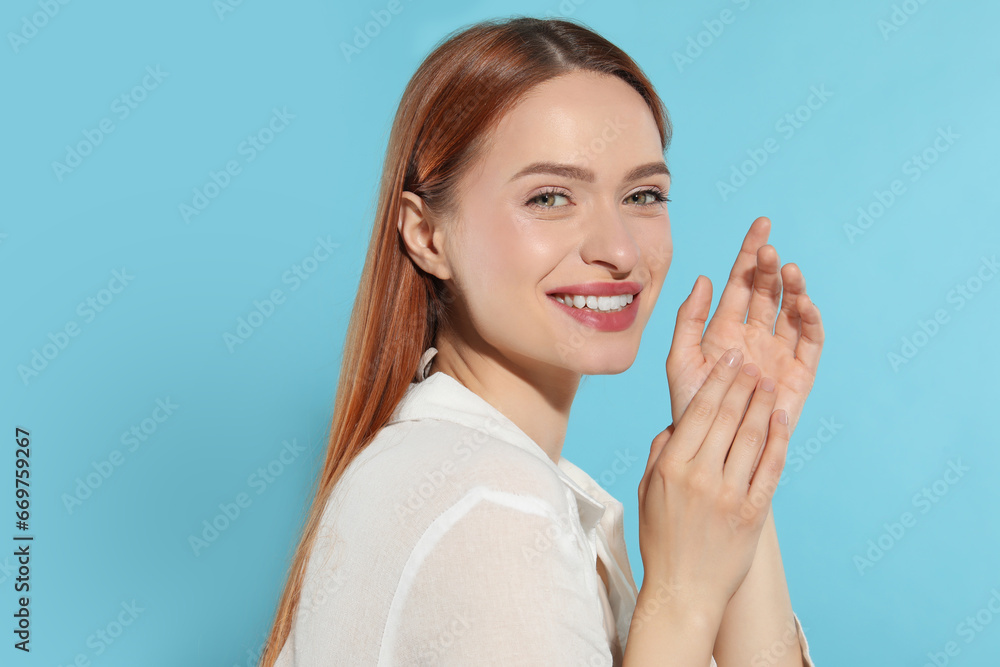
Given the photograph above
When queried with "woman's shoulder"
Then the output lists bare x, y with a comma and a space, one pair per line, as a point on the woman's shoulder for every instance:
425, 465
421, 494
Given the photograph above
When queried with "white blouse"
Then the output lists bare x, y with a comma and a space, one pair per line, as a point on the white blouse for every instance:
457, 542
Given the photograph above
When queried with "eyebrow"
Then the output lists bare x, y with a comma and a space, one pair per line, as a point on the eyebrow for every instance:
586, 175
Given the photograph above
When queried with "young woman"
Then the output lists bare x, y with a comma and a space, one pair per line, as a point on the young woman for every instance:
521, 242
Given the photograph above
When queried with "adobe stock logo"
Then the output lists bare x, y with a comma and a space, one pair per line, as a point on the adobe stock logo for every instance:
968, 629
223, 7
372, 29
122, 107
900, 16
787, 125
924, 500
798, 455
31, 25
294, 277
106, 467
105, 636
230, 512
60, 340
250, 148
960, 295
697, 44
914, 167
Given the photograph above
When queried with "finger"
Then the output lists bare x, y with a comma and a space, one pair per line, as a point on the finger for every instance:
654, 453
691, 317
735, 297
772, 461
793, 284
766, 293
694, 424
720, 436
810, 344
749, 440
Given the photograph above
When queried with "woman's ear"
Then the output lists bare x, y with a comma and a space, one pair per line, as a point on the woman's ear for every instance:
422, 236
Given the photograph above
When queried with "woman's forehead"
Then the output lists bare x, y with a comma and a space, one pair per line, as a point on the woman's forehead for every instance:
591, 121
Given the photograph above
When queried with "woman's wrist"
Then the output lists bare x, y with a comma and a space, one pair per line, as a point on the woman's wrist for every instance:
669, 621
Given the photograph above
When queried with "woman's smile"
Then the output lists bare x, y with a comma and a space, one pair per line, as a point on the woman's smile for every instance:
602, 306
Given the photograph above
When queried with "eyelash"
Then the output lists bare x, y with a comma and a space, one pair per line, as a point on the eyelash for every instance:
658, 197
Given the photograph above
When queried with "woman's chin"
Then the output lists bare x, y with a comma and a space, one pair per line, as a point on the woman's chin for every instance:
606, 360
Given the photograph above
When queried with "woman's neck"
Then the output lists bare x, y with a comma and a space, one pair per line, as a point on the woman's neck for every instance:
537, 400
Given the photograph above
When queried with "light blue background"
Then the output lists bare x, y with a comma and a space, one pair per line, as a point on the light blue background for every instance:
162, 336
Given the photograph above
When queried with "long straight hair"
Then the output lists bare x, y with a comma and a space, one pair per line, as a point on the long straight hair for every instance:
454, 100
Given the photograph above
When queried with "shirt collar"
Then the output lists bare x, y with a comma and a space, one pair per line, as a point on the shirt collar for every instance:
440, 396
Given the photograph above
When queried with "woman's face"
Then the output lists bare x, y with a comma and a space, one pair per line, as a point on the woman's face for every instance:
565, 203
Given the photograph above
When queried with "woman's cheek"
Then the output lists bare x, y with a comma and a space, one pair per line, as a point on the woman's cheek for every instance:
659, 251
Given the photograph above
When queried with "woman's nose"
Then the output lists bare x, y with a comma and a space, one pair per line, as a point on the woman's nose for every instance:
609, 241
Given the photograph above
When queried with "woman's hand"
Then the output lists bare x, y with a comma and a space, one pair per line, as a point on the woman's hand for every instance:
702, 503
745, 319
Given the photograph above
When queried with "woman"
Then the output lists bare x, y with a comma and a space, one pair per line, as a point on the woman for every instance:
521, 241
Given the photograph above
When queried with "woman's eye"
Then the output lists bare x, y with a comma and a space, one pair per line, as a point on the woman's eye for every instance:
643, 198
546, 199
648, 197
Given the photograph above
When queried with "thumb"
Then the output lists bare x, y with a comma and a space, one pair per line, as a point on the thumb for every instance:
691, 317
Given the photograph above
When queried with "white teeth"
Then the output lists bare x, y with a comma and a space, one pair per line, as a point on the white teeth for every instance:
603, 304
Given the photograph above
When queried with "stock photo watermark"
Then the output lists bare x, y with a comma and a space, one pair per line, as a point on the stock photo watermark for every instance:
249, 149
913, 167
32, 23
801, 453
105, 636
958, 296
779, 648
122, 107
698, 43
560, 531
611, 130
434, 649
787, 125
330, 581
622, 463
463, 450
225, 7
230, 512
899, 16
968, 629
7, 570
132, 439
364, 34
759, 497
651, 603
294, 277
923, 501
87, 310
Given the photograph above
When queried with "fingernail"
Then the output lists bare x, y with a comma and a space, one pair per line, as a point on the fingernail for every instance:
782, 417
751, 370
732, 356
767, 384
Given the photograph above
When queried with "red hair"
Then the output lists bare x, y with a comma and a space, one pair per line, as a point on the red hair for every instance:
454, 100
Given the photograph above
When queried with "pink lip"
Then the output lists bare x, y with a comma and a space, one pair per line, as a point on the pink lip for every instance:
599, 289
617, 321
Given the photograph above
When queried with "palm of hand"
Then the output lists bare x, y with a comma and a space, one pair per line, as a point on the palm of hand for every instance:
784, 343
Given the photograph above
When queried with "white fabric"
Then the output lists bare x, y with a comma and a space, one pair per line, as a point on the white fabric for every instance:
455, 540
